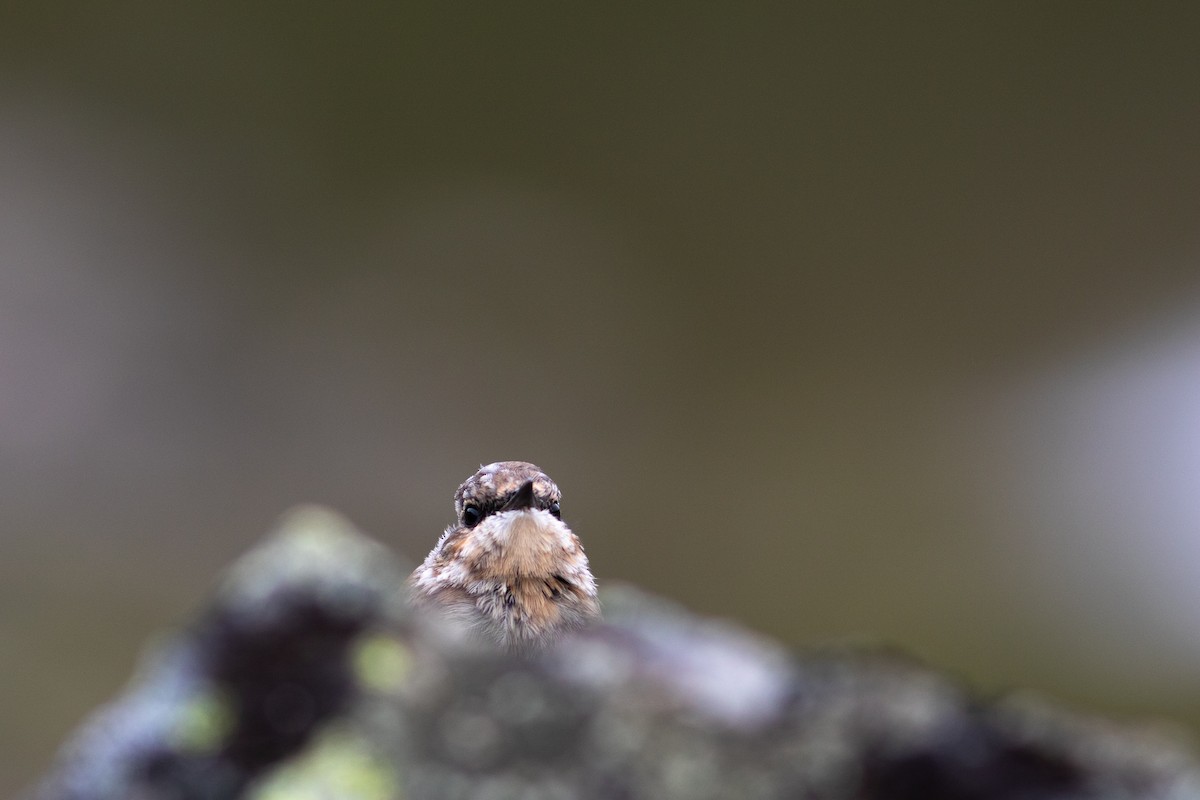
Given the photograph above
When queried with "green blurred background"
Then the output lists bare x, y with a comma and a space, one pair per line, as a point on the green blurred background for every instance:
863, 322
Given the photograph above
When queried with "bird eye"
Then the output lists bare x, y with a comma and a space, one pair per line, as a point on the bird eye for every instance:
471, 516
555, 510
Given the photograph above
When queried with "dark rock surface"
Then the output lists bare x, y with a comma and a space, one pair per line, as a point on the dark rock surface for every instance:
309, 677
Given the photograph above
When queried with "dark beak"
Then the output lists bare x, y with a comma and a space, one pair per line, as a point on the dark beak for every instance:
522, 498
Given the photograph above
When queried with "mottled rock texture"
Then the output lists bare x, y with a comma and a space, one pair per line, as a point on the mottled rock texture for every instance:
309, 677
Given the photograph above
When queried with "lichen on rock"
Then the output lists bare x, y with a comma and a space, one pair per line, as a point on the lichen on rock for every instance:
308, 676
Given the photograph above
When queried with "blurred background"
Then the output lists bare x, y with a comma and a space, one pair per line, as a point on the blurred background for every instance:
858, 324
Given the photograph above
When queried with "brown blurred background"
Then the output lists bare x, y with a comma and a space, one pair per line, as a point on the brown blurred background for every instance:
870, 324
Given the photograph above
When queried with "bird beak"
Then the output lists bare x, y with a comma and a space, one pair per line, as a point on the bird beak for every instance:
522, 499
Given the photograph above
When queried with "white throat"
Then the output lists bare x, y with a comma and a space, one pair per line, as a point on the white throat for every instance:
528, 539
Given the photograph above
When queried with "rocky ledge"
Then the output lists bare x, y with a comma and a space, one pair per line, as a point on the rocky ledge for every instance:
308, 677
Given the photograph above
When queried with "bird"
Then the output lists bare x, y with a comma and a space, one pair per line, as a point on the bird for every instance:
508, 570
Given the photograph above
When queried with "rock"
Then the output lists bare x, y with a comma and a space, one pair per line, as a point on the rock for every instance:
308, 676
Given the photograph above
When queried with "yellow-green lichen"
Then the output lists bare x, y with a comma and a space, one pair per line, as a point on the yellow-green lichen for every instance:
337, 765
381, 663
203, 723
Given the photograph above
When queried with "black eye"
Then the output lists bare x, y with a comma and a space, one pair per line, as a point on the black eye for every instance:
555, 511
471, 516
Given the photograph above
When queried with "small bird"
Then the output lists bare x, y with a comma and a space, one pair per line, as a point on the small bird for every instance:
509, 568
